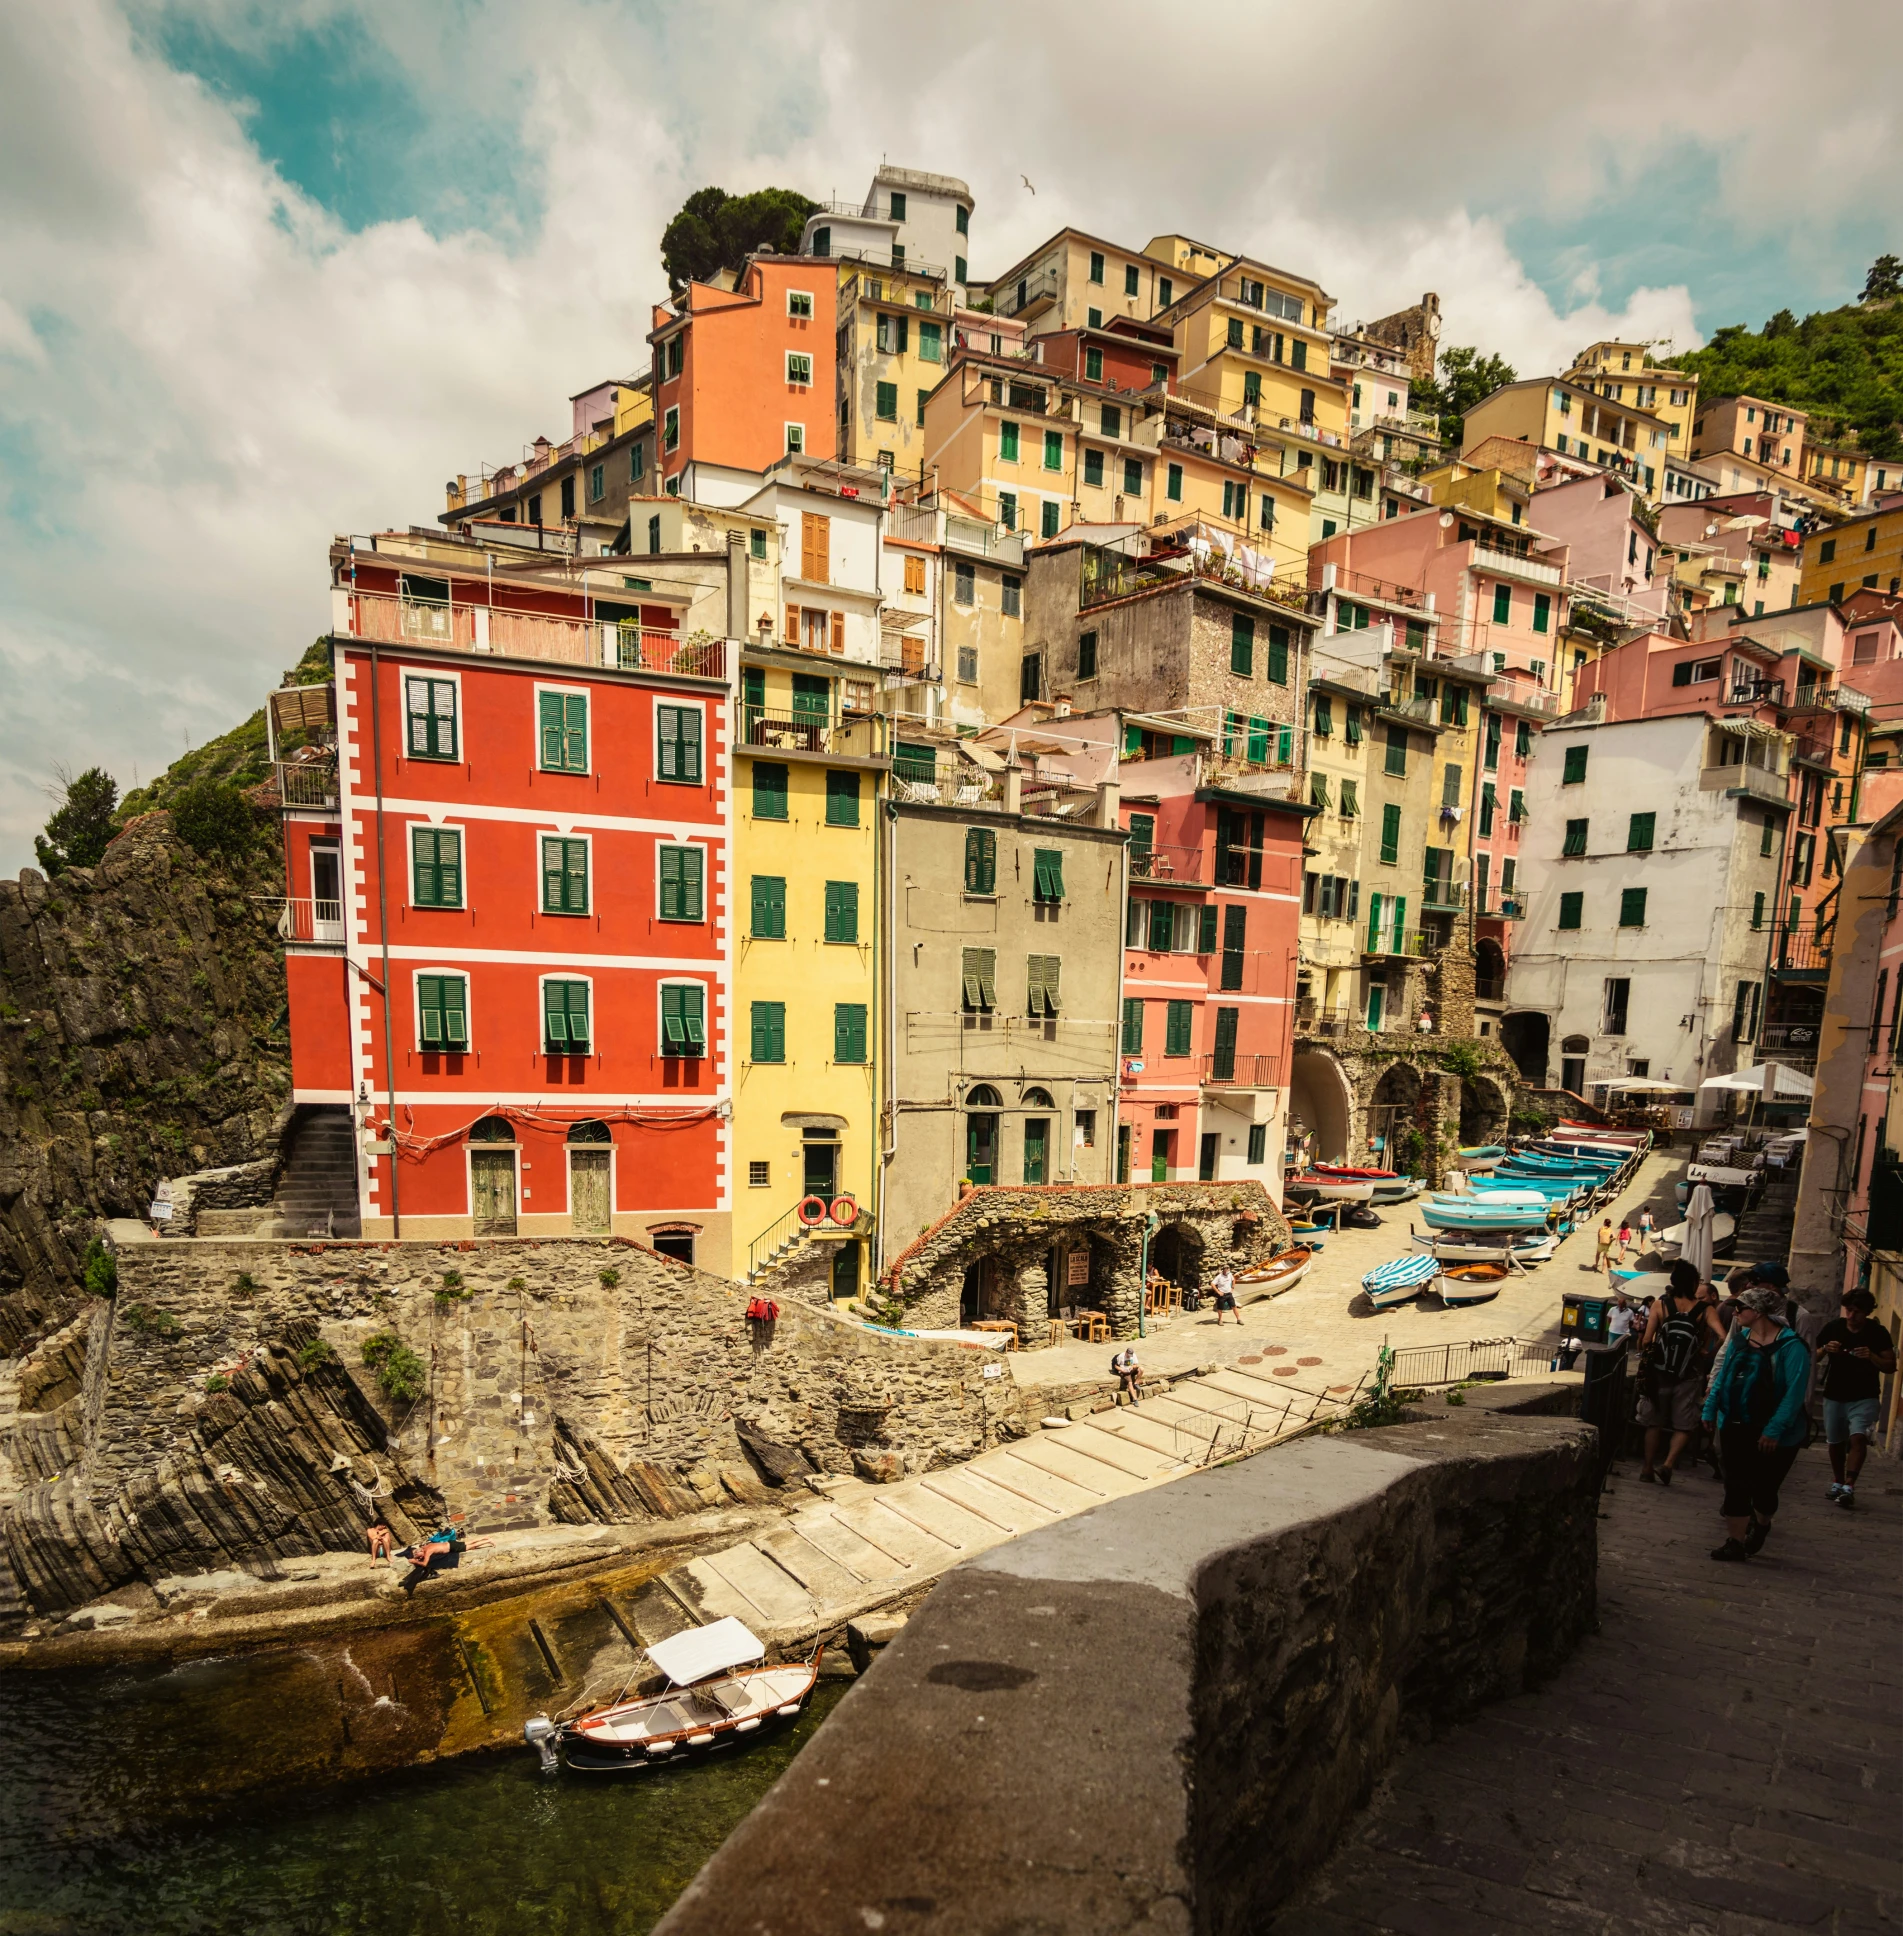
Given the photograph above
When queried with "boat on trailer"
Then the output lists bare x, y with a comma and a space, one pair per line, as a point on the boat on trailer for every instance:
720, 1695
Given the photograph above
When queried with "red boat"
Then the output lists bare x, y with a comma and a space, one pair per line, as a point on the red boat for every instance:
1347, 1172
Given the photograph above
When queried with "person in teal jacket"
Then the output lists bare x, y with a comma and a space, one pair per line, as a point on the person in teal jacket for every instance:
1755, 1401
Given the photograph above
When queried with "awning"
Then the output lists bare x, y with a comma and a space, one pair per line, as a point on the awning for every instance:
991, 761
700, 1651
1635, 1083
1748, 728
1771, 1080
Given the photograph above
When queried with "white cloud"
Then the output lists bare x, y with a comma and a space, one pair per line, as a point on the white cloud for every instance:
204, 375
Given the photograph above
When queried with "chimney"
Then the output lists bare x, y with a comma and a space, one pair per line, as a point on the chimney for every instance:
737, 599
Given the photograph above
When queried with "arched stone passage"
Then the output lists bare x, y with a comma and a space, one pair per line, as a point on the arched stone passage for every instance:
1177, 1252
1483, 1111
1322, 1101
1394, 1110
1526, 1038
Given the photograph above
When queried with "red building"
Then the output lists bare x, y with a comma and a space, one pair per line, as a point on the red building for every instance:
1210, 943
508, 902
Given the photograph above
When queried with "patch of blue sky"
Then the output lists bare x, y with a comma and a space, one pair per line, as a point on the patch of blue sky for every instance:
329, 105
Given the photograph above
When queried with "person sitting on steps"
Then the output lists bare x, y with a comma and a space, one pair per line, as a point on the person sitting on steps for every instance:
1128, 1374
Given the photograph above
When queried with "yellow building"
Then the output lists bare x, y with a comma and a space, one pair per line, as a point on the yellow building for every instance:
1561, 415
1081, 281
1626, 373
1861, 553
895, 328
1843, 470
808, 790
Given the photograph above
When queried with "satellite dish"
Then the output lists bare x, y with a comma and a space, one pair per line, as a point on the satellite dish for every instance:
1446, 520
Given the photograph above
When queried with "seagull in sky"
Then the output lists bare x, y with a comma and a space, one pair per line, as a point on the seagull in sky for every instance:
1026, 180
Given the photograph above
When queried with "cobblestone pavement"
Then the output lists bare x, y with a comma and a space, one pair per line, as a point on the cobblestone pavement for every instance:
1722, 1759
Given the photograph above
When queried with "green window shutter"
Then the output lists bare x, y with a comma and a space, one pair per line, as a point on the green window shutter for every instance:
1391, 833
1318, 790
1008, 442
1053, 450
980, 972
682, 878
1093, 467
1258, 742
1048, 874
1542, 612
1351, 726
1206, 929
1242, 645
849, 1031
431, 707
1502, 604
1632, 907
1516, 806
1374, 921
1162, 926
679, 731
565, 1023
1396, 760
1575, 837
842, 910
1278, 655
1041, 979
1489, 804
1757, 910
753, 678
769, 790
683, 1019
1575, 770
429, 1006
1324, 715
1132, 1041
1179, 1028
1223, 1065
1493, 741
842, 799
564, 731
436, 855
887, 404
1639, 833
769, 1032
564, 876
1142, 834
923, 396
1350, 799
1235, 935
1571, 907
981, 861
769, 907
1766, 834
443, 1011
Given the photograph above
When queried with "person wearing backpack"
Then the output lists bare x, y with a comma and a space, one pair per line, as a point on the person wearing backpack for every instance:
1756, 1401
1670, 1390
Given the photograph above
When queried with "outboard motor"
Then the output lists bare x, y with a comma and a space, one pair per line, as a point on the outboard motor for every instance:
544, 1737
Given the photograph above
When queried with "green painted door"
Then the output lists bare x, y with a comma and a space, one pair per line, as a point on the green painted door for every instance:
1377, 996
1037, 1136
981, 1147
1162, 1144
1206, 1161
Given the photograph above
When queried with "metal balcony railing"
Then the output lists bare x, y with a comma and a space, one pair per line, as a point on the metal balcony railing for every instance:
315, 921
1800, 950
1238, 1071
307, 783
809, 733
394, 620
1412, 941
1490, 988
1187, 866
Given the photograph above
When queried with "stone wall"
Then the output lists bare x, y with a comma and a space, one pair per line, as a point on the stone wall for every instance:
544, 1369
1160, 1714
1407, 1070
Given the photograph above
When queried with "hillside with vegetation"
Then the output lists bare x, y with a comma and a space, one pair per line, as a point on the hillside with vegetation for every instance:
1842, 366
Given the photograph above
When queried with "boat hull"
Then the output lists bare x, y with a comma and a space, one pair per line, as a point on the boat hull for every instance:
687, 1724
1479, 1249
1280, 1274
1403, 1278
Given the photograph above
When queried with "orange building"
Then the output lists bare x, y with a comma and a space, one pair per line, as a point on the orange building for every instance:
744, 367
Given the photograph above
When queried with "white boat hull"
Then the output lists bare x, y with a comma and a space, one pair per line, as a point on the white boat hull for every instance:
1476, 1250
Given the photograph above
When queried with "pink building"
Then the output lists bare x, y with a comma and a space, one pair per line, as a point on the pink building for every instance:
1767, 433
1611, 550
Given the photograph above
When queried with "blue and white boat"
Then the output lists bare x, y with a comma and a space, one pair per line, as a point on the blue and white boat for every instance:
1476, 1213
1395, 1283
1486, 1246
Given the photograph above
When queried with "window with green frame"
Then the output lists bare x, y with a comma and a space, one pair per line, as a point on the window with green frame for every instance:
769, 790
1142, 838
1278, 655
1242, 645
1391, 833
768, 921
436, 867
1162, 936
1258, 747
1351, 726
1574, 771
842, 911
1053, 450
1502, 604
1489, 805
431, 708
1318, 791
849, 1031
1350, 799
1050, 517
564, 875
442, 1011
842, 799
683, 1018
563, 720
677, 728
1258, 1143
565, 1026
768, 1032
1396, 758
1131, 1042
1639, 833
915, 763
1757, 910
1042, 973
1632, 907
1206, 930
1179, 1028
683, 879
1516, 807
1542, 612
1767, 834
886, 408
1093, 459
1571, 909
1324, 716
1222, 1063
1235, 941
1008, 442
981, 861
1047, 874
1575, 838
978, 971
1490, 755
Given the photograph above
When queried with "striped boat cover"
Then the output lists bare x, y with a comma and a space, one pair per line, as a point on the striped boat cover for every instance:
1404, 1270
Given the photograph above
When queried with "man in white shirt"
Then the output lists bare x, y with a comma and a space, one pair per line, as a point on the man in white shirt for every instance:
1618, 1319
1223, 1284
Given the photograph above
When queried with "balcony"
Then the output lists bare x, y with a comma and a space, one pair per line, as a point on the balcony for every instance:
1361, 584
618, 645
1313, 1020
809, 733
1033, 294
1800, 953
319, 923
1490, 988
1414, 943
1442, 896
307, 784
1757, 781
1509, 564
1181, 555
1233, 1071
1178, 866
1792, 1043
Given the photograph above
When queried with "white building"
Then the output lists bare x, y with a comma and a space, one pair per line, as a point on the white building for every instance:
1650, 865
909, 219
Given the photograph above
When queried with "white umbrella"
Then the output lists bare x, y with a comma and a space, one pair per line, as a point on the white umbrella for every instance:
1698, 1213
1771, 1080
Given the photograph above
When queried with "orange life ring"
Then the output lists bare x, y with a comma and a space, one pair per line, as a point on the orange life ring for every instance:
843, 1211
812, 1210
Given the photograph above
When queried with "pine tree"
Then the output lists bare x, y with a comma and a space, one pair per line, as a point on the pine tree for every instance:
81, 827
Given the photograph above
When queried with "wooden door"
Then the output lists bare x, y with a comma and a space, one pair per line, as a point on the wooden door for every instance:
981, 1147
1036, 1149
492, 1189
588, 1210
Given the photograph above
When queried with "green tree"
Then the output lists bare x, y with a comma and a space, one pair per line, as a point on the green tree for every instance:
1465, 378
715, 231
81, 826
1885, 279
214, 817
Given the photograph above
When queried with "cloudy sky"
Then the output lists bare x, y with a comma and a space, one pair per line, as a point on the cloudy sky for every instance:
270, 272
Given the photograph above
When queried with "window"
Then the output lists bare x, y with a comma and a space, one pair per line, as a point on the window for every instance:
759, 1175
671, 428
1096, 265
1008, 443
564, 731
565, 1025
979, 972
1453, 706
564, 875
930, 341
923, 397
1744, 1016
683, 1018
1241, 645
1757, 910
800, 304
677, 734
1632, 907
981, 861
1489, 805
842, 911
892, 335
1350, 801
1165, 292
1502, 604
1575, 838
1008, 509
1278, 655
683, 874
842, 799
1179, 1028
913, 761
1162, 936
795, 437
436, 867
637, 463
1048, 874
1235, 935
1324, 716
676, 352
967, 665
1093, 468
1827, 552
768, 1032
1570, 908
915, 576
769, 907
1132, 476
1575, 770
886, 406
1390, 833
1639, 832
1053, 450
1086, 655
1131, 1042
442, 1012
849, 1031
1030, 678
597, 482
1041, 977
1523, 739
769, 790
431, 705
964, 584
1516, 807
1396, 761
799, 368
1451, 782
1542, 611
1173, 489
1258, 1143
1048, 520
1093, 364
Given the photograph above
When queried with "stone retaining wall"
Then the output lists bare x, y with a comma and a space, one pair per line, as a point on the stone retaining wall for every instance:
1160, 1714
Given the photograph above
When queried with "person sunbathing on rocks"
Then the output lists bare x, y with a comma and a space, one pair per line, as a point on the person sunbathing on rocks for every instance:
443, 1548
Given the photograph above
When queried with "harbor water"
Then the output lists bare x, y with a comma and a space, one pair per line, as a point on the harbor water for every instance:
112, 1820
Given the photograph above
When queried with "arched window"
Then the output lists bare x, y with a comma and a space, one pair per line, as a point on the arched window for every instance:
1575, 1045
984, 1097
1038, 1099
589, 1132
493, 1129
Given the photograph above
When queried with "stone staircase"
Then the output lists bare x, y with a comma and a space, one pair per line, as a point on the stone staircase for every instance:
1764, 1231
317, 1188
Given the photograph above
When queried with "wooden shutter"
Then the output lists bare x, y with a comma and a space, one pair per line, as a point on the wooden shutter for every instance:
792, 625
1042, 977
671, 883
677, 729
769, 1031
1278, 654
1206, 930
981, 861
1180, 1029
563, 718
842, 910
839, 633
564, 876
1390, 833
1350, 799
1235, 932
1374, 922
849, 1031
815, 548
1048, 874
769, 790
980, 966
565, 1014
1224, 1067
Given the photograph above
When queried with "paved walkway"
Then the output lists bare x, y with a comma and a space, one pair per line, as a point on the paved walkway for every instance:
1722, 1759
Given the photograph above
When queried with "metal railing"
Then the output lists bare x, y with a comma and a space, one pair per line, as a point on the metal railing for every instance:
1310, 1020
1414, 941
619, 644
1235, 1071
809, 733
1455, 1363
307, 783
1230, 1427
1489, 988
1186, 865
1800, 950
305, 919
1366, 586
1194, 551
1511, 565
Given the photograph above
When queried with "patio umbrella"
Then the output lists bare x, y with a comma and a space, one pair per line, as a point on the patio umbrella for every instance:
1697, 1250
1770, 1080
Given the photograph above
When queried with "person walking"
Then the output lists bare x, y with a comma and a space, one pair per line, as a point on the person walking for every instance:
1224, 1286
1756, 1401
1625, 1240
1670, 1389
1857, 1355
1605, 1238
1646, 1227
1620, 1319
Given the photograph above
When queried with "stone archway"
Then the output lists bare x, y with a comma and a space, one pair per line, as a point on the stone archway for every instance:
1176, 1251
1484, 1109
1322, 1101
1394, 1117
